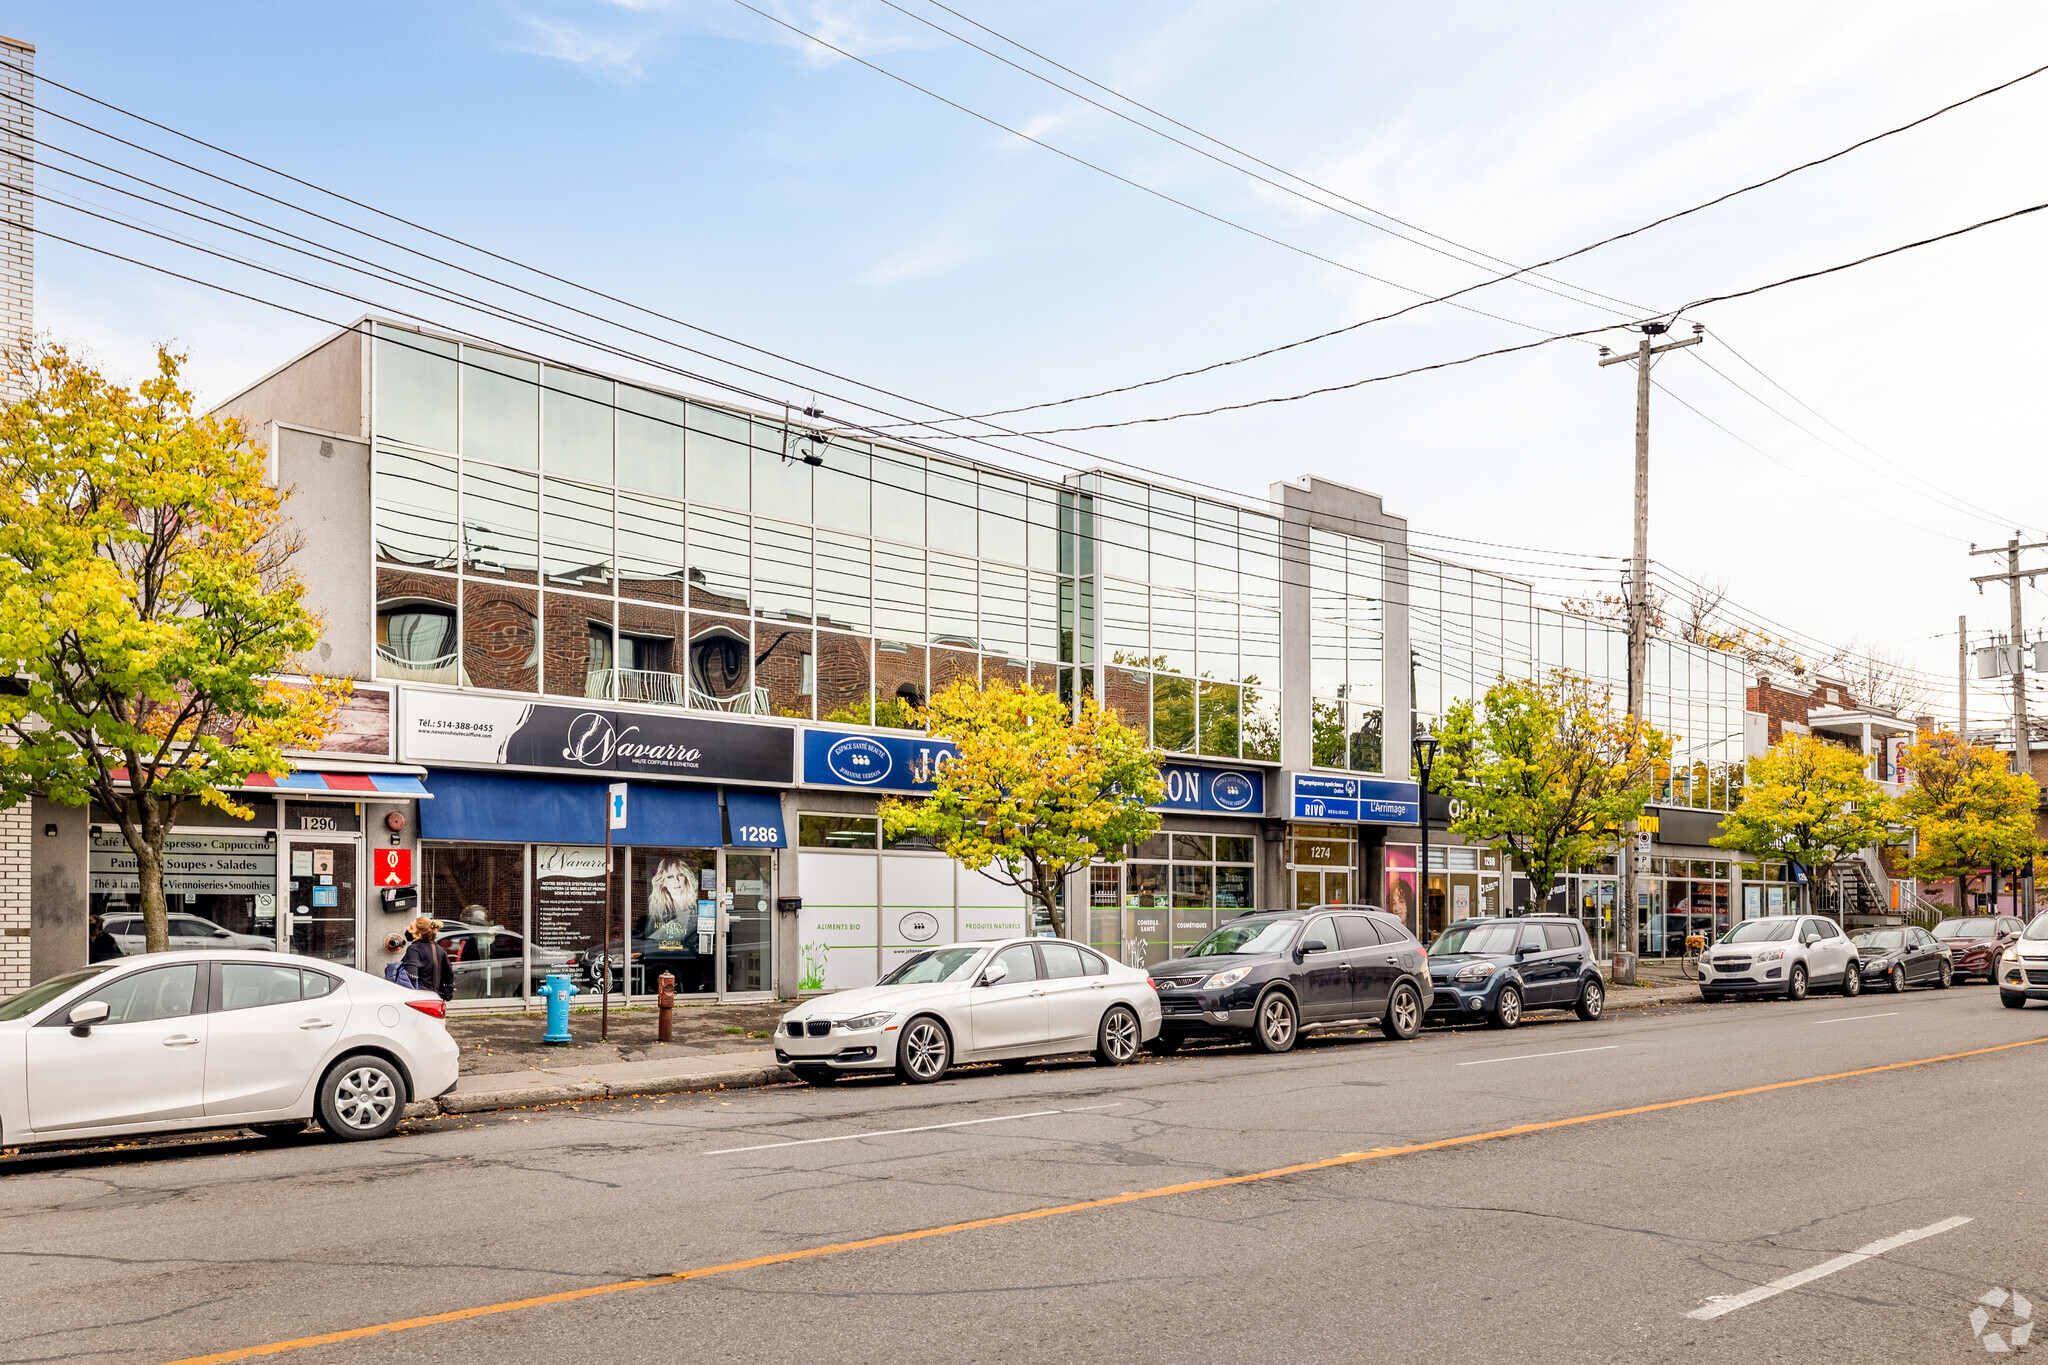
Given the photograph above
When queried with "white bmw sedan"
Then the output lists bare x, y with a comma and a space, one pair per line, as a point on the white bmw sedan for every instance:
172, 1042
1005, 1001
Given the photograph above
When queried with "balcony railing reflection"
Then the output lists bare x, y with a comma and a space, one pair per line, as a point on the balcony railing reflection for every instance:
670, 689
446, 669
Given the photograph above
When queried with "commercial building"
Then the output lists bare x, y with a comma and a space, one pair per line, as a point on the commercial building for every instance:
548, 580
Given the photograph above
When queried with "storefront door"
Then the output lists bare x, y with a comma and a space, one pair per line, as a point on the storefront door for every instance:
745, 922
322, 906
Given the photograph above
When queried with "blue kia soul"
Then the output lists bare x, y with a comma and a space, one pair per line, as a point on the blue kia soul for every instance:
1497, 970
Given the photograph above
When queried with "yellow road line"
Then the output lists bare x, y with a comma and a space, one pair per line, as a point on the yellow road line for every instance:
1164, 1191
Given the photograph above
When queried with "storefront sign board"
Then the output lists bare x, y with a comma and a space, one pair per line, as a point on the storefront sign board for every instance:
1355, 800
912, 763
462, 728
194, 864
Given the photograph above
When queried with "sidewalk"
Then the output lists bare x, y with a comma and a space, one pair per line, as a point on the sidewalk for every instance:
716, 1047
505, 1065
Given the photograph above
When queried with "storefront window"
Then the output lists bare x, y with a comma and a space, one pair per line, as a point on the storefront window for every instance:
837, 831
221, 890
478, 893
675, 919
569, 911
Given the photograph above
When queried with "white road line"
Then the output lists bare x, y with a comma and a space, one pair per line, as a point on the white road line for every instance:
1776, 1287
1525, 1056
928, 1128
1852, 1018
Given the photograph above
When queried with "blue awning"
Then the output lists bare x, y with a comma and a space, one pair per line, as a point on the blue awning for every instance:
511, 808
755, 819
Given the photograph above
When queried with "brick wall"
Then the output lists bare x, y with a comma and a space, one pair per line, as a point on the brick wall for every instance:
15, 826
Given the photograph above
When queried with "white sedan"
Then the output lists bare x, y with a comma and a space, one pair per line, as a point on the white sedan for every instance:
1005, 1001
172, 1042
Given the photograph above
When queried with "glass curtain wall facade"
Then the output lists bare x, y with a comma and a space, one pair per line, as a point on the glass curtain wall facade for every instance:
1467, 628
1188, 596
1347, 651
541, 530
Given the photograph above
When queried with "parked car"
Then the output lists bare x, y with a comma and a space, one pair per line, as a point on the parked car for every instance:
1268, 974
2023, 967
486, 959
1908, 956
186, 931
1781, 955
1499, 969
174, 1042
1007, 1001
1974, 942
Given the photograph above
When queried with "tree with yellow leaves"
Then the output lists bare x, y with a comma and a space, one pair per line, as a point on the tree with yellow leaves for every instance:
1547, 770
1968, 808
147, 606
1033, 792
1810, 802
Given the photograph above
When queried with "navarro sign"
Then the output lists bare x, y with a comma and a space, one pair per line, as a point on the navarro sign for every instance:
463, 728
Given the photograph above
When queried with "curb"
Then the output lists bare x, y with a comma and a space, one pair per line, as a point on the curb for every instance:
527, 1096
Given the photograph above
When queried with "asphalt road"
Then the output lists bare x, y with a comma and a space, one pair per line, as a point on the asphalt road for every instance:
1588, 1235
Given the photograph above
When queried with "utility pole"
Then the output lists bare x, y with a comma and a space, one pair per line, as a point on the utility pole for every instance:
2022, 749
1963, 679
1638, 612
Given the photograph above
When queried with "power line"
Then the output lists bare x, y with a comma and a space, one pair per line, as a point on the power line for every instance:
1138, 185
1543, 341
1516, 271
1420, 536
1211, 156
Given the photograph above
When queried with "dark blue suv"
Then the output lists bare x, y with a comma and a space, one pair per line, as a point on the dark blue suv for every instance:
1497, 970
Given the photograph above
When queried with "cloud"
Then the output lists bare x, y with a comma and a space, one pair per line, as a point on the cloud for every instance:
618, 56
933, 256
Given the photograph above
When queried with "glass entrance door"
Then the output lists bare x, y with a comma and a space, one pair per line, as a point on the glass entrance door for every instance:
322, 904
747, 907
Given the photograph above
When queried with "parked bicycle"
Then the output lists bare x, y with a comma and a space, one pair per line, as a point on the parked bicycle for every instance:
1695, 948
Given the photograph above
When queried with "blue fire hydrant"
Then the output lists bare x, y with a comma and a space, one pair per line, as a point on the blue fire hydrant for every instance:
558, 989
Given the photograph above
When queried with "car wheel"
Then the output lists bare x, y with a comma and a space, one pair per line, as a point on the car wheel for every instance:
1165, 1045
2011, 1001
816, 1075
1403, 1018
1274, 1023
1947, 977
1897, 980
1852, 980
1116, 1038
1593, 1000
1507, 1008
361, 1097
278, 1132
1795, 986
923, 1051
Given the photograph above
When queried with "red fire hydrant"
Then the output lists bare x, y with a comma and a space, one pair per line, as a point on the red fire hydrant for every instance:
665, 1007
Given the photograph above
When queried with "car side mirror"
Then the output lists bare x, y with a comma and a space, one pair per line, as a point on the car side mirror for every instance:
1526, 949
83, 1017
1315, 945
222, 933
995, 973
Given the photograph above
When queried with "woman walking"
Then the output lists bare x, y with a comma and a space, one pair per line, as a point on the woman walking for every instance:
426, 961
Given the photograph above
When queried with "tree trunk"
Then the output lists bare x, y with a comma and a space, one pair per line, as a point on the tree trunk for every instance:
147, 828
1049, 897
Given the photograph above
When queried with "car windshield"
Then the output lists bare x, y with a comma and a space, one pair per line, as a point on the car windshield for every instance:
2037, 929
929, 968
1880, 938
1759, 931
1255, 934
1963, 928
40, 994
1476, 938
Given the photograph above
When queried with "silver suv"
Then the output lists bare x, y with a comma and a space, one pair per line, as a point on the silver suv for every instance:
1781, 955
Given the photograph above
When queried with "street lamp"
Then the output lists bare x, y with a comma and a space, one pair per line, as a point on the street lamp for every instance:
1425, 757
